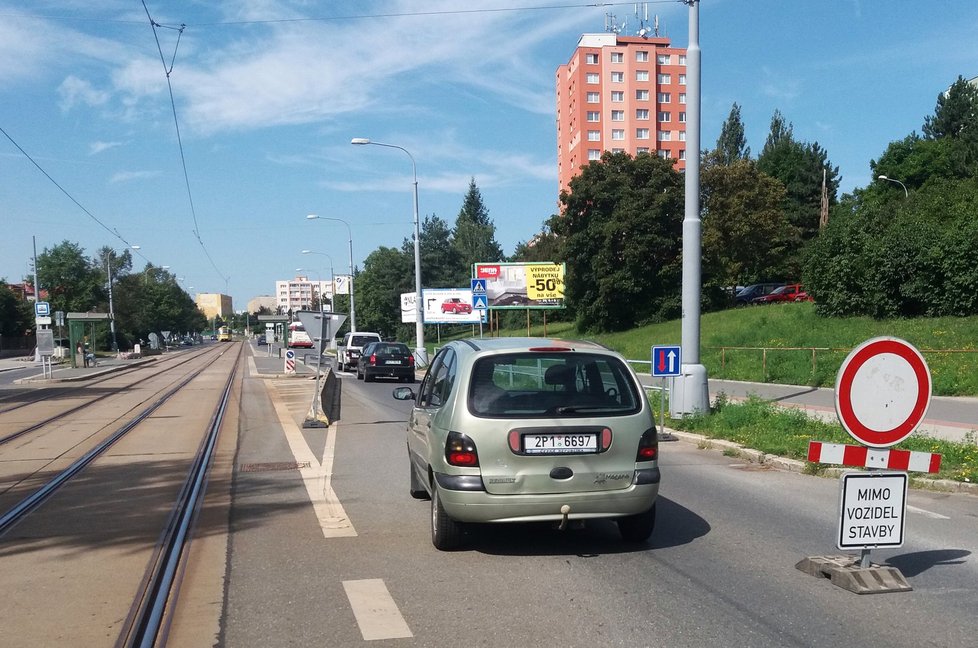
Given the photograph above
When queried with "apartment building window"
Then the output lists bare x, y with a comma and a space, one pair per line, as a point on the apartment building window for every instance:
593, 97
591, 59
642, 114
594, 154
617, 57
641, 75
682, 97
682, 136
665, 136
592, 77
682, 118
682, 59
618, 134
642, 149
664, 59
642, 57
642, 95
617, 77
665, 117
594, 136
642, 133
682, 79
617, 115
682, 154
617, 150
664, 97
593, 116
664, 79
617, 96
665, 154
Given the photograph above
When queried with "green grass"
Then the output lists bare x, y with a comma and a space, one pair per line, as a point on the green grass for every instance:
763, 426
949, 344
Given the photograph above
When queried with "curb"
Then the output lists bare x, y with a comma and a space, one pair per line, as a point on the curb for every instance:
802, 467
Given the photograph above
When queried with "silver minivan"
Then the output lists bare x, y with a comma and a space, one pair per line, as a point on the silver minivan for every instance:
507, 430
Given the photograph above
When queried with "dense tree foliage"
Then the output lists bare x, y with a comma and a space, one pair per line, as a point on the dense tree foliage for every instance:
732, 143
620, 232
74, 282
16, 316
746, 236
387, 272
474, 236
954, 115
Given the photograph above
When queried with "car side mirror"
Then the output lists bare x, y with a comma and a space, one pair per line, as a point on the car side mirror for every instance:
404, 393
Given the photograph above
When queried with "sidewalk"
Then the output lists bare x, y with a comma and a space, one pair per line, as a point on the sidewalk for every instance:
65, 373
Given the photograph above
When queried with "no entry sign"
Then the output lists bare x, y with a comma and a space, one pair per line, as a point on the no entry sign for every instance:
882, 391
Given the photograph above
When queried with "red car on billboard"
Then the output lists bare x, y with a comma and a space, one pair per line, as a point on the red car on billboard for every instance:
455, 305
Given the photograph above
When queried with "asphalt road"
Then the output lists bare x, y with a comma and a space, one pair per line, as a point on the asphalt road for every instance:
719, 570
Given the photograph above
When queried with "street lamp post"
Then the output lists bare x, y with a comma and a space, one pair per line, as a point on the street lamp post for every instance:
353, 313
332, 278
108, 266
906, 194
418, 301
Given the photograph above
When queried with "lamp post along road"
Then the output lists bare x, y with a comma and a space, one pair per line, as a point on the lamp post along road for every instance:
332, 278
353, 312
906, 194
420, 351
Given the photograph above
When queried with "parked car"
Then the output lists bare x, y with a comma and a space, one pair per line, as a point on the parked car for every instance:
803, 296
262, 341
786, 293
507, 430
386, 359
746, 295
455, 305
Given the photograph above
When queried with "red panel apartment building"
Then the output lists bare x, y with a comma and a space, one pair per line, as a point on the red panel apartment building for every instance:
620, 93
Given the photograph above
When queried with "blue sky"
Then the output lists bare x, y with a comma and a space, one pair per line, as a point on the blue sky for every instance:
268, 94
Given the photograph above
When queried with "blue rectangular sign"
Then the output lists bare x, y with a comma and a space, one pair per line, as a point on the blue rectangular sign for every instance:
666, 361
479, 286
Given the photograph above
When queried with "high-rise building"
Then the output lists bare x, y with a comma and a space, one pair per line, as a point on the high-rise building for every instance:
214, 305
300, 293
620, 93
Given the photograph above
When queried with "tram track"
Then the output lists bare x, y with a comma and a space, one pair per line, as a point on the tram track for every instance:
64, 414
148, 617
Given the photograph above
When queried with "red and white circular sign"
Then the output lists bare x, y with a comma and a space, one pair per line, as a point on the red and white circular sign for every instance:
882, 391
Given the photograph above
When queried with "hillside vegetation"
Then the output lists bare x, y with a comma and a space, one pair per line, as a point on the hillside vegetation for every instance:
789, 332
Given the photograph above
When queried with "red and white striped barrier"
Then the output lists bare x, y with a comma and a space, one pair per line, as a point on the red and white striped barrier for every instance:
861, 456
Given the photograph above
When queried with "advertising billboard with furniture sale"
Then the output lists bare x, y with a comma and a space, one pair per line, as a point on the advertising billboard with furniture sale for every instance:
523, 285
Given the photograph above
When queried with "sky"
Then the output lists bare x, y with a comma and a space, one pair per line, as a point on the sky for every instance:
216, 183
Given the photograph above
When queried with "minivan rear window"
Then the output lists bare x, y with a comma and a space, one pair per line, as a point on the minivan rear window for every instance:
521, 385
362, 340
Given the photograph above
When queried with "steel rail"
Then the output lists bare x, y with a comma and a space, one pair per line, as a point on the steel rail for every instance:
148, 621
20, 510
36, 426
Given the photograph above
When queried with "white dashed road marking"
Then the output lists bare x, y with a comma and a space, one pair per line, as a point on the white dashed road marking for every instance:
375, 610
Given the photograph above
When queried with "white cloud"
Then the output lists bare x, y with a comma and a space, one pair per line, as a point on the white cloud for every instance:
97, 147
75, 91
126, 176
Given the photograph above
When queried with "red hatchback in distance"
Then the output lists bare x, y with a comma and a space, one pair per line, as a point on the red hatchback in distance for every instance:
786, 293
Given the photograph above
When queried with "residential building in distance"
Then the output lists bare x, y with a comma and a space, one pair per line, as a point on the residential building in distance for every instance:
301, 294
214, 305
262, 301
620, 93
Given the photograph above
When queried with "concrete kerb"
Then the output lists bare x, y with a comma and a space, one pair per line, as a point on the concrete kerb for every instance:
86, 373
797, 466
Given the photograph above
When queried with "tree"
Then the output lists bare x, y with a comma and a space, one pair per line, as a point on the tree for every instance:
956, 113
74, 283
620, 227
746, 236
474, 236
387, 272
441, 264
16, 317
732, 143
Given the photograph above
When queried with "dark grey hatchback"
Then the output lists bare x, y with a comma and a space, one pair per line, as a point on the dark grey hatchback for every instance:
386, 359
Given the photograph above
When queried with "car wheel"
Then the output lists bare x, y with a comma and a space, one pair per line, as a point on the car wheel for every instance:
446, 533
360, 376
637, 528
418, 491
367, 377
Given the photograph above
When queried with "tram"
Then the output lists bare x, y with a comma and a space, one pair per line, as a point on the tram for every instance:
224, 334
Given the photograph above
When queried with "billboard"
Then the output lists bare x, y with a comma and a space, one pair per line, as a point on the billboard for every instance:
523, 285
442, 306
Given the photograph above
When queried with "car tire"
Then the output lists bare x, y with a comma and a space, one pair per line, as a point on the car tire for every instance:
417, 489
367, 377
446, 533
637, 528
360, 376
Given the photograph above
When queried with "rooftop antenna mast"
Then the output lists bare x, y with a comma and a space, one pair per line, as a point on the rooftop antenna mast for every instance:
611, 24
643, 19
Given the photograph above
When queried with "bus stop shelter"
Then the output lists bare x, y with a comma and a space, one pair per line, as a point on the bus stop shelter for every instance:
82, 328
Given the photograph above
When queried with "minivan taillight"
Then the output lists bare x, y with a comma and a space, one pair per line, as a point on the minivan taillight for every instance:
373, 359
648, 446
460, 451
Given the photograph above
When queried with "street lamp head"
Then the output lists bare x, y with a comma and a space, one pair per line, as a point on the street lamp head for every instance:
360, 140
136, 247
305, 252
882, 177
311, 216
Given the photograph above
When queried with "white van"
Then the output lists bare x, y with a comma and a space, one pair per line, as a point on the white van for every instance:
348, 352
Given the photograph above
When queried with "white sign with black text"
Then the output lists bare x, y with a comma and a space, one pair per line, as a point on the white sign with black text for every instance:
873, 508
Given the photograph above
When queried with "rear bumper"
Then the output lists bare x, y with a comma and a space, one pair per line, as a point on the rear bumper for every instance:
388, 372
471, 505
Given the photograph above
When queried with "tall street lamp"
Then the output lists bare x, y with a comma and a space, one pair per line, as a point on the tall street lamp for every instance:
353, 313
108, 269
332, 278
418, 301
905, 193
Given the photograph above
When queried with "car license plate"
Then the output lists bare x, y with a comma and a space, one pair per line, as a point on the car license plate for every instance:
392, 362
560, 443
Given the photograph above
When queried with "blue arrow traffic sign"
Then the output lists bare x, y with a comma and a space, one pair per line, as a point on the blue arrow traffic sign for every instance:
479, 286
666, 361
480, 302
